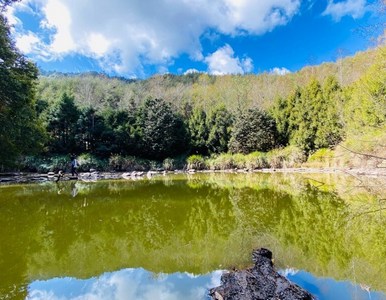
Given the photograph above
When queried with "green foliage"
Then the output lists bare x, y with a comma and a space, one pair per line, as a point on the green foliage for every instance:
162, 132
281, 111
176, 163
41, 164
128, 163
253, 130
62, 120
20, 131
321, 158
288, 157
328, 113
220, 125
88, 161
256, 160
365, 103
223, 161
90, 131
310, 117
199, 132
196, 162
119, 136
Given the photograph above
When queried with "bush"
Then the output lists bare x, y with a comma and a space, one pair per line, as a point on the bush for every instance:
321, 158
88, 161
45, 164
196, 162
256, 160
239, 160
221, 162
170, 164
288, 157
128, 163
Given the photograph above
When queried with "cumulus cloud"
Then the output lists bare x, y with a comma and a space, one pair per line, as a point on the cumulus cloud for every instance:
280, 71
27, 42
224, 62
353, 8
191, 71
126, 35
124, 284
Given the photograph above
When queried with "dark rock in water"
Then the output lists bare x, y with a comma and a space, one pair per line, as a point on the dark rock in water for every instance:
261, 282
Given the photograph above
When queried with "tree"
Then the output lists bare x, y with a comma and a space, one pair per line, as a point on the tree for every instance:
330, 128
220, 126
253, 130
162, 133
281, 113
120, 136
90, 131
62, 121
198, 130
20, 131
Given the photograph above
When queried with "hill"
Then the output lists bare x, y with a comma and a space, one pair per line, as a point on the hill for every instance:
197, 89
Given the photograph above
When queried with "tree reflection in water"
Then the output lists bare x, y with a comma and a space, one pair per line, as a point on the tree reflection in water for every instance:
193, 224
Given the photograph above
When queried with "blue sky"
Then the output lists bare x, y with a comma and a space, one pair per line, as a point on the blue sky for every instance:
140, 38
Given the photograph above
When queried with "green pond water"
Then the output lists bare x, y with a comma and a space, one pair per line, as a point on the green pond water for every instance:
171, 237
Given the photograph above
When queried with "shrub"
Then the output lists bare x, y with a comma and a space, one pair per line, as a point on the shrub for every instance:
128, 163
88, 161
288, 157
196, 162
256, 160
221, 162
177, 163
45, 164
321, 158
239, 160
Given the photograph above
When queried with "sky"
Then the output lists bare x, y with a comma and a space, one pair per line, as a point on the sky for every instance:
140, 38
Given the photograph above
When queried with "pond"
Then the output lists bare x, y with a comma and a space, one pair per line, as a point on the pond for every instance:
171, 237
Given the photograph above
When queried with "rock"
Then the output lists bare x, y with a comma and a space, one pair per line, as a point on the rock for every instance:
92, 170
261, 282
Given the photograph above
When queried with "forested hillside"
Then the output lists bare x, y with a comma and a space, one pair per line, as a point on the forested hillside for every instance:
321, 113
311, 112
198, 89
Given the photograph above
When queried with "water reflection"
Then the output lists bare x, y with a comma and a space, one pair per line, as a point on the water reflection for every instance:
330, 227
126, 284
142, 285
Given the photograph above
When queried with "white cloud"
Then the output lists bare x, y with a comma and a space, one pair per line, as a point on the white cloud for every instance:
353, 8
191, 71
126, 35
27, 43
58, 17
125, 284
280, 71
223, 62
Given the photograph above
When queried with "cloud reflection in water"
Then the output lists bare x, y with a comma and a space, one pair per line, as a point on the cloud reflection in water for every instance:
126, 284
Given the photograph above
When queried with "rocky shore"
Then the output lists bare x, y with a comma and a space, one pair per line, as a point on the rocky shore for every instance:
261, 282
93, 175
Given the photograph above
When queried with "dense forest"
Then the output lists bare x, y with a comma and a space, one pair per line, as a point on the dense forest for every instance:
169, 118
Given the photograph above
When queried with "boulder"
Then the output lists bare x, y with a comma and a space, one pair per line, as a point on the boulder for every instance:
261, 282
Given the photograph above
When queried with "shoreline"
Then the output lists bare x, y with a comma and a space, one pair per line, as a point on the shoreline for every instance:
26, 177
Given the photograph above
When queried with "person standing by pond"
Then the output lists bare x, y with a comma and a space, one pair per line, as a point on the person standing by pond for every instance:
74, 166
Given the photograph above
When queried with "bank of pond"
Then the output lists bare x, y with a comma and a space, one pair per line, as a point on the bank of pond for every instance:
173, 236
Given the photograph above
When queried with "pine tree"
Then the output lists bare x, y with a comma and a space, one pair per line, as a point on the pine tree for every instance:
62, 126
198, 131
253, 130
220, 124
162, 133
